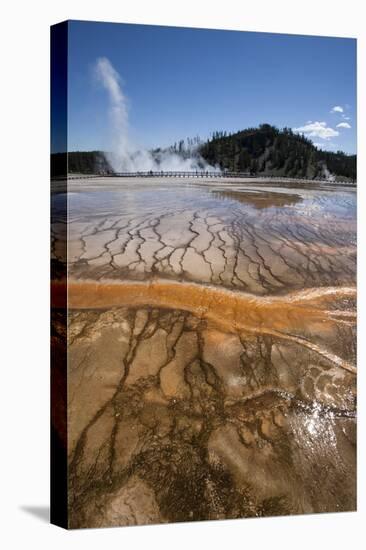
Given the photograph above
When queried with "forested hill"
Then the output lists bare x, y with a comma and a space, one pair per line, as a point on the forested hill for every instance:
267, 150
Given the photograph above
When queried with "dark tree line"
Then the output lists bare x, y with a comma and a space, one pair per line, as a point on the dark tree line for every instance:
80, 162
263, 150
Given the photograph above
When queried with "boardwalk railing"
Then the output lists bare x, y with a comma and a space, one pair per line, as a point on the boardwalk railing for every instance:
177, 174
201, 174
165, 174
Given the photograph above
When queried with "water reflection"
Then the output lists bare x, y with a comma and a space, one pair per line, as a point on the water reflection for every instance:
260, 199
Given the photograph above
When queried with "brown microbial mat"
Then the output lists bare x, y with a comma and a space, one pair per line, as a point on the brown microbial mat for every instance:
211, 337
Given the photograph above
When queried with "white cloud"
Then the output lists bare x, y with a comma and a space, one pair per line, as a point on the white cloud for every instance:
337, 109
343, 125
317, 129
346, 117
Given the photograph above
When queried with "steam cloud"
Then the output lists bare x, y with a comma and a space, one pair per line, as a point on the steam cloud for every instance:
125, 156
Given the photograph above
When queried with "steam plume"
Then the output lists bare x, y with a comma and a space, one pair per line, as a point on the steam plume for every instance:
126, 157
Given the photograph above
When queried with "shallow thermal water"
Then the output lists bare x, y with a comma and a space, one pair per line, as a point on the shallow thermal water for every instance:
259, 239
212, 349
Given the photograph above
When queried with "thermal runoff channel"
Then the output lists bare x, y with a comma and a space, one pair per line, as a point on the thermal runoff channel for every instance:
211, 345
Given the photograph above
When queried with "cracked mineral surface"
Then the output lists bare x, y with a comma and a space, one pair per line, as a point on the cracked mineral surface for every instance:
211, 338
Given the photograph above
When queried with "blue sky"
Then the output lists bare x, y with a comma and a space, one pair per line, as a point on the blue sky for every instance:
186, 82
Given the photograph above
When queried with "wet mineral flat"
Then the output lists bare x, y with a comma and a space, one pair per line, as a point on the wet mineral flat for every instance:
211, 340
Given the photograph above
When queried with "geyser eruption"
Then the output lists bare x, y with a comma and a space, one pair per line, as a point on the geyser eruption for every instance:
125, 156
111, 81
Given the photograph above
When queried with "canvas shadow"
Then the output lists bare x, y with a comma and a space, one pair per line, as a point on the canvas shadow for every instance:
40, 512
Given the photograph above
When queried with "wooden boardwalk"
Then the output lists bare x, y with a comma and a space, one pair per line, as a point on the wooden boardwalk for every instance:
203, 174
